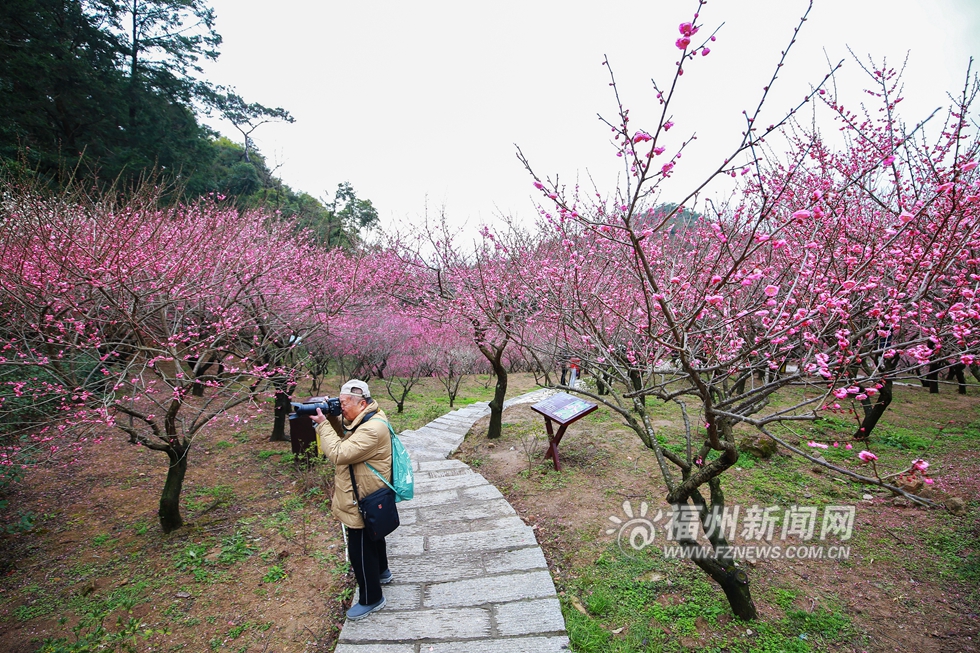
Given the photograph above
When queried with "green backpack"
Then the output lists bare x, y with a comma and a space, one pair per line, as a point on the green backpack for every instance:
402, 480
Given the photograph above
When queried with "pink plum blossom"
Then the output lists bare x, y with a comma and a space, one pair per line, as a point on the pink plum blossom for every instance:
867, 456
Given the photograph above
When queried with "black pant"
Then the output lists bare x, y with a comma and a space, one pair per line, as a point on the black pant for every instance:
368, 559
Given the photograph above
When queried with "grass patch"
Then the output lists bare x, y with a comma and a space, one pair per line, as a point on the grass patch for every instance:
209, 497
646, 603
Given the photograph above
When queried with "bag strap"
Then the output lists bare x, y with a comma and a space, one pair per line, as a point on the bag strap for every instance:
350, 468
353, 483
378, 474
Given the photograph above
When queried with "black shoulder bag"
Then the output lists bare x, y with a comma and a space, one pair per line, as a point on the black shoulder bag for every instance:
377, 509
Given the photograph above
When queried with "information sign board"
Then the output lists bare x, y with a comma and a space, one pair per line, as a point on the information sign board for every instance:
564, 409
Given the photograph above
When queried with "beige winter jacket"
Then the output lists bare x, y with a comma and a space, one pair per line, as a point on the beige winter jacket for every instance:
367, 442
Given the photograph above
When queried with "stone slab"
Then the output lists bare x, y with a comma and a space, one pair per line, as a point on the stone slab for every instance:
429, 439
501, 562
375, 648
432, 568
500, 645
430, 499
442, 465
452, 424
456, 418
490, 508
441, 473
402, 597
481, 541
481, 492
448, 623
439, 434
404, 545
529, 617
424, 455
438, 484
496, 589
461, 526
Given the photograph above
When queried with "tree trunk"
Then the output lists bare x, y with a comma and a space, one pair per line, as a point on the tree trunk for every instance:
931, 379
497, 405
637, 382
874, 411
735, 584
721, 567
170, 519
603, 381
281, 412
956, 372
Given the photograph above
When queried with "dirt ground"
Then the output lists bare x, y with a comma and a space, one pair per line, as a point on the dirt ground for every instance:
898, 596
255, 569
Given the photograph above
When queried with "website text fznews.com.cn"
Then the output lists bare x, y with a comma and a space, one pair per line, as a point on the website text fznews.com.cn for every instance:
757, 552
800, 532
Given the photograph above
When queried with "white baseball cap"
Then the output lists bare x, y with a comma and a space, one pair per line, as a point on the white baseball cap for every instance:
355, 387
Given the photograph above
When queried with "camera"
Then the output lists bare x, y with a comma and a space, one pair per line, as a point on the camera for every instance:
328, 405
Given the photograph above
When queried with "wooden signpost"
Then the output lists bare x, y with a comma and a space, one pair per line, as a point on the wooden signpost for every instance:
564, 409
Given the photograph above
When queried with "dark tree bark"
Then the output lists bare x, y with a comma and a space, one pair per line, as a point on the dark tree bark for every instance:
721, 567
931, 379
603, 381
283, 407
494, 352
499, 394
636, 380
200, 373
170, 519
874, 410
957, 372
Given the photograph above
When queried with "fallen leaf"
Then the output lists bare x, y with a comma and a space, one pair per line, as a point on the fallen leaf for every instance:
578, 605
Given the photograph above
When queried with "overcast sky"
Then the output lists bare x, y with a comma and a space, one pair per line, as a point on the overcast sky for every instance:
422, 103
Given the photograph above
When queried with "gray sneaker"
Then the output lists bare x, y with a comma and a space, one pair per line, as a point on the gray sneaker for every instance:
386, 576
358, 611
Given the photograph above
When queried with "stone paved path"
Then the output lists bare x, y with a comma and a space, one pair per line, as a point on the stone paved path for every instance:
469, 576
